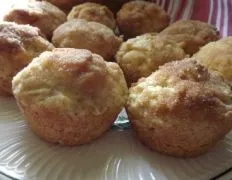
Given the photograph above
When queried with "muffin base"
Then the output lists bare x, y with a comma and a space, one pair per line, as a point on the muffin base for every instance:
147, 136
56, 127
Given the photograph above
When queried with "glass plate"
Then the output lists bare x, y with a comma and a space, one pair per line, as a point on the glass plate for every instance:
114, 156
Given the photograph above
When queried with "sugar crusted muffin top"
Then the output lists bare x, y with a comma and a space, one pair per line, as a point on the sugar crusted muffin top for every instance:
217, 56
71, 79
190, 34
179, 87
79, 33
12, 34
139, 17
181, 110
93, 12
140, 56
43, 15
19, 44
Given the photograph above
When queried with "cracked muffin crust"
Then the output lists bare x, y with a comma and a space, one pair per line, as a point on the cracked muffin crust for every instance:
139, 57
190, 34
19, 44
43, 15
139, 17
217, 56
79, 33
70, 96
93, 12
181, 110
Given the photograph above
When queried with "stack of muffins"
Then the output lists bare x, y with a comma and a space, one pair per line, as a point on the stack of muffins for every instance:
70, 72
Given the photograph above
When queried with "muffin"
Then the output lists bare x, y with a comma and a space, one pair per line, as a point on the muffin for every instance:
43, 15
93, 12
67, 5
190, 34
217, 56
19, 44
139, 17
70, 96
140, 56
181, 110
82, 34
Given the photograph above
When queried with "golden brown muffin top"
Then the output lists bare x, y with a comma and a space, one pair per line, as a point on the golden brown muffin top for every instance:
139, 17
35, 9
217, 56
66, 5
181, 90
93, 12
192, 27
79, 33
140, 56
191, 34
14, 37
71, 79
40, 14
19, 44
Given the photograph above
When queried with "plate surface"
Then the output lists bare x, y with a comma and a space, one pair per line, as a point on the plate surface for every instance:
115, 156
